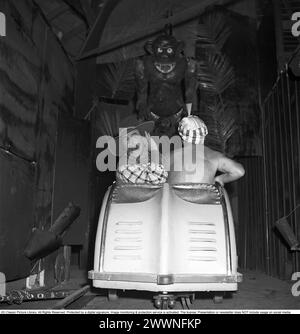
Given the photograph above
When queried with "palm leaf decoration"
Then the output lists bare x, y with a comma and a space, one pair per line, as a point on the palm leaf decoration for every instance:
220, 120
215, 74
215, 78
213, 32
108, 121
187, 32
116, 80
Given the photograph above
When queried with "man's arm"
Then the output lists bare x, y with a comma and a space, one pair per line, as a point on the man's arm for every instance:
231, 170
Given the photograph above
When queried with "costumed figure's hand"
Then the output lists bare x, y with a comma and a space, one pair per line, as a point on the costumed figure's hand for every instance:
143, 110
184, 112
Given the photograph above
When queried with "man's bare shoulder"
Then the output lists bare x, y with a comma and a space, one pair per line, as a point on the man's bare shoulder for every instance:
212, 154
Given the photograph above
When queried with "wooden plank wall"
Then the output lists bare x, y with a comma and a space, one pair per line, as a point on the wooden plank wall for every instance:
261, 202
251, 230
72, 173
282, 168
16, 212
36, 85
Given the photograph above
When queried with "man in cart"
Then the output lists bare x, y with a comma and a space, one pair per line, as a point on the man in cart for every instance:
194, 162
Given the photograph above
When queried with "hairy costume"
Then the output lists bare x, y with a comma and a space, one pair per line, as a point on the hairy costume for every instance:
166, 82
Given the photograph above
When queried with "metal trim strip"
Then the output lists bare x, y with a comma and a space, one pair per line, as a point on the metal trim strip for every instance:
227, 231
151, 278
104, 227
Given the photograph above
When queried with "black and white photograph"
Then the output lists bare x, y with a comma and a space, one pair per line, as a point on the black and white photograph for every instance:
149, 159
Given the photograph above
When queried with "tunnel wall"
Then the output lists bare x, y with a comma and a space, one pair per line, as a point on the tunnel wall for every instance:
281, 125
250, 225
36, 86
270, 189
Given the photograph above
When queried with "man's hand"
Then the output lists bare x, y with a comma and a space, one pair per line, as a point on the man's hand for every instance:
219, 181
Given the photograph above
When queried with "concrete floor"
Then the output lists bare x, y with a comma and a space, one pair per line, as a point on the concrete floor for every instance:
256, 292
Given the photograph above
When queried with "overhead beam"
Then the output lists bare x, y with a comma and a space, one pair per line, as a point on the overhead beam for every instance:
89, 12
152, 29
77, 9
107, 7
57, 12
73, 32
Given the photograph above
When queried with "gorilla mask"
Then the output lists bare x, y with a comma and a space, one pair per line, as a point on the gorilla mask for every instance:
165, 50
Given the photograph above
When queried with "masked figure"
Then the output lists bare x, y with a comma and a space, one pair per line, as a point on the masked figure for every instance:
166, 83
